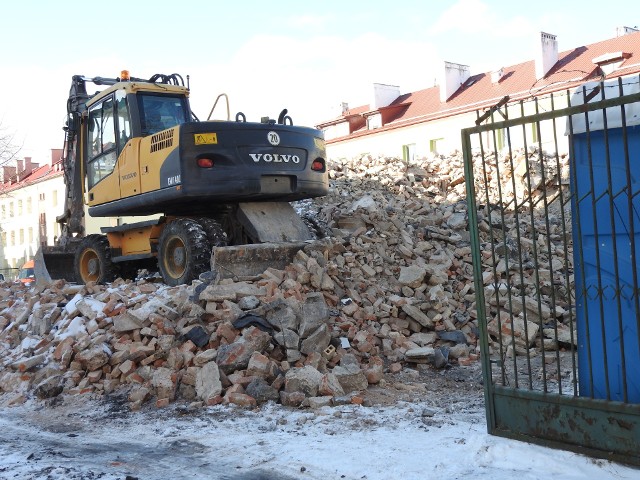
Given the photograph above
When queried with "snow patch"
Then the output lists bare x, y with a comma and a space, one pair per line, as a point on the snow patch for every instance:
75, 328
28, 343
95, 305
70, 307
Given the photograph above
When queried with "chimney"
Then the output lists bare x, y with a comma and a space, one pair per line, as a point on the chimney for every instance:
383, 95
25, 169
497, 75
454, 76
345, 108
21, 172
620, 31
547, 55
8, 173
29, 166
56, 155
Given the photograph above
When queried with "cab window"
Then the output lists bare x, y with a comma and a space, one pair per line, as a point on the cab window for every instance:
159, 112
26, 273
124, 121
102, 141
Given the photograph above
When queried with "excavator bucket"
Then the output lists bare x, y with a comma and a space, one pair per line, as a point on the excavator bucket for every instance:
53, 263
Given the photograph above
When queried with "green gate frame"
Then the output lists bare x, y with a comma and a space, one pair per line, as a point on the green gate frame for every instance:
596, 427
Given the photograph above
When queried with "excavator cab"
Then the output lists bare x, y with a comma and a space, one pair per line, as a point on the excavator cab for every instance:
135, 148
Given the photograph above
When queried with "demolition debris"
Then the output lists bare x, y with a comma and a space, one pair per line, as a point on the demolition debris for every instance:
391, 288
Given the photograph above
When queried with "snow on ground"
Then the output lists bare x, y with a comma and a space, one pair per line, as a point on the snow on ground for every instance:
102, 439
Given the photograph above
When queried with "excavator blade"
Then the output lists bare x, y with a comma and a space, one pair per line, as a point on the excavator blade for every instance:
279, 234
276, 222
246, 262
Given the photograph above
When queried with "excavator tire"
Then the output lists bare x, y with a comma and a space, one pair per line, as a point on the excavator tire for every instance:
92, 261
215, 233
183, 251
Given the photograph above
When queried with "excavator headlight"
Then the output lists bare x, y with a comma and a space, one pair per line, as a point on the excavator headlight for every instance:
205, 162
318, 165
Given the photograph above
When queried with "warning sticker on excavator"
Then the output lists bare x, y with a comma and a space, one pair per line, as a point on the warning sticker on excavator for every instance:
205, 138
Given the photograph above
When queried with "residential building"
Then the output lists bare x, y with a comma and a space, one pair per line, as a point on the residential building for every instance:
429, 121
31, 197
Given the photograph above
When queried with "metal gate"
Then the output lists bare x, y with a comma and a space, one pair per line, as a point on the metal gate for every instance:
553, 186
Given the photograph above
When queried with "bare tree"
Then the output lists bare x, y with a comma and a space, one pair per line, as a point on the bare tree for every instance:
8, 149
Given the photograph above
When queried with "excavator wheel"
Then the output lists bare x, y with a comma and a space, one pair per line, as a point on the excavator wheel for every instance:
92, 260
183, 251
215, 233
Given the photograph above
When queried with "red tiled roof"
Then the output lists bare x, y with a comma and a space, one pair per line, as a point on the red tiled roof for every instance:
37, 175
518, 82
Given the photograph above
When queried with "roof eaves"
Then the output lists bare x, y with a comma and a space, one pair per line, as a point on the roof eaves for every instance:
610, 57
343, 119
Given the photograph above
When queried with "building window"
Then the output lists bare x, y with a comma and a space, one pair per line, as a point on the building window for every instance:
4, 212
435, 145
55, 198
534, 132
12, 240
43, 228
11, 209
374, 121
19, 208
42, 198
22, 236
409, 152
499, 139
29, 205
4, 239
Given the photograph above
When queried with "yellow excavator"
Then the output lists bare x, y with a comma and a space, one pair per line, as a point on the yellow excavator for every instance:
136, 149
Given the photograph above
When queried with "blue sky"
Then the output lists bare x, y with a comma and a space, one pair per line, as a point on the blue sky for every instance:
307, 57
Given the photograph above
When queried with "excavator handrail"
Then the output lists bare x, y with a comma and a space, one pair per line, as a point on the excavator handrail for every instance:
216, 103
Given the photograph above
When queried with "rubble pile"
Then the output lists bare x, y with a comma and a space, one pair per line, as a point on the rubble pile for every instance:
409, 223
392, 287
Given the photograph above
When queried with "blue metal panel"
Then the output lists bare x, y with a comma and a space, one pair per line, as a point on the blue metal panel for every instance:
605, 216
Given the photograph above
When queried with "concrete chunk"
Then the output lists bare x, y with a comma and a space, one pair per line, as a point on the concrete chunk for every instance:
208, 383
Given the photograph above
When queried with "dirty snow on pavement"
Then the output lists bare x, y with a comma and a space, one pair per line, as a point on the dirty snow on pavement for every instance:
77, 439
